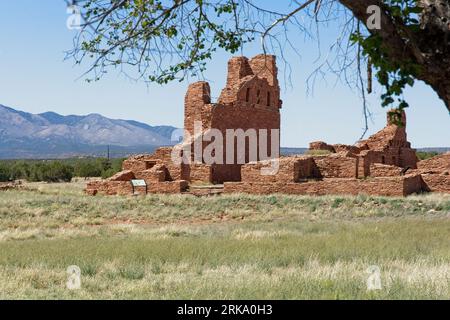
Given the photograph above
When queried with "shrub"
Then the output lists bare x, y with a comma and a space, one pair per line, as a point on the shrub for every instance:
318, 152
422, 155
60, 170
54, 171
108, 173
87, 169
4, 173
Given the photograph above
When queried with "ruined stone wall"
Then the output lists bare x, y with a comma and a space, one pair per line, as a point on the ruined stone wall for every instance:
5, 186
173, 171
250, 100
138, 163
245, 118
200, 172
225, 172
287, 171
196, 105
155, 174
170, 187
384, 170
252, 81
388, 146
436, 182
109, 188
125, 187
351, 150
386, 186
436, 164
336, 166
125, 175
320, 145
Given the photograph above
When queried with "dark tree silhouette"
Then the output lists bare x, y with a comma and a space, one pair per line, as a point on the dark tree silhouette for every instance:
168, 40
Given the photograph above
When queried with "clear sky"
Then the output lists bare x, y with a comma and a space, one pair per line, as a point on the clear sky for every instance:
34, 78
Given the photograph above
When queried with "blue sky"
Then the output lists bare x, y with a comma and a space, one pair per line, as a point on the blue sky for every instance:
34, 78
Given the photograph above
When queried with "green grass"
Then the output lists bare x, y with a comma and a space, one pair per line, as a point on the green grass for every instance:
318, 152
423, 155
226, 247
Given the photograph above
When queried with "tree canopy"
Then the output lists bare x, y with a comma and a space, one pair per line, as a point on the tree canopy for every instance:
400, 40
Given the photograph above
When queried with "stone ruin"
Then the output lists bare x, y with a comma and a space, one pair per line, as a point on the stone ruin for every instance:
384, 164
14, 185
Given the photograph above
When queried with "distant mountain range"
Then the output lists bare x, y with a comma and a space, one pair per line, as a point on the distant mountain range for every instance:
51, 135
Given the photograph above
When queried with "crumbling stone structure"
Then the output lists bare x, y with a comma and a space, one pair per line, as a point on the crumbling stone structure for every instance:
435, 173
383, 164
250, 100
5, 186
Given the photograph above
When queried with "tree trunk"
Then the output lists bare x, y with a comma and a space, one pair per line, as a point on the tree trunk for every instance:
429, 47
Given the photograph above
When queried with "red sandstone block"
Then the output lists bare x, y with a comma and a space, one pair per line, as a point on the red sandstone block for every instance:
168, 187
437, 164
320, 145
388, 186
155, 174
336, 166
126, 175
200, 172
290, 170
437, 182
384, 170
135, 165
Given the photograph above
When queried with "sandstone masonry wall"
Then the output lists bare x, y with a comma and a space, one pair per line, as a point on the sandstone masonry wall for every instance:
384, 164
384, 170
386, 186
337, 166
436, 164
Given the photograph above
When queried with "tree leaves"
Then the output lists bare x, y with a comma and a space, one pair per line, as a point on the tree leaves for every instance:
393, 74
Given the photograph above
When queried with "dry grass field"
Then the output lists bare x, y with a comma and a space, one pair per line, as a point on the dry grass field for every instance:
222, 247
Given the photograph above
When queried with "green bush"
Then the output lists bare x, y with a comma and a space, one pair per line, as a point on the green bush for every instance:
108, 173
54, 171
4, 173
318, 152
87, 169
58, 170
423, 155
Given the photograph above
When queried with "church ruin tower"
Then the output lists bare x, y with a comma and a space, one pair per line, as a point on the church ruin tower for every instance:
250, 100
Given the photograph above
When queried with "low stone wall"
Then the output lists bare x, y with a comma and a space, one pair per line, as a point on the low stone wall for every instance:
226, 172
291, 169
320, 145
387, 186
109, 187
155, 174
437, 164
138, 163
337, 166
200, 172
437, 182
106, 187
384, 170
252, 172
346, 148
172, 187
4, 186
125, 175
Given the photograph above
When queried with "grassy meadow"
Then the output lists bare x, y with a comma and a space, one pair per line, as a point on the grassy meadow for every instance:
222, 247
